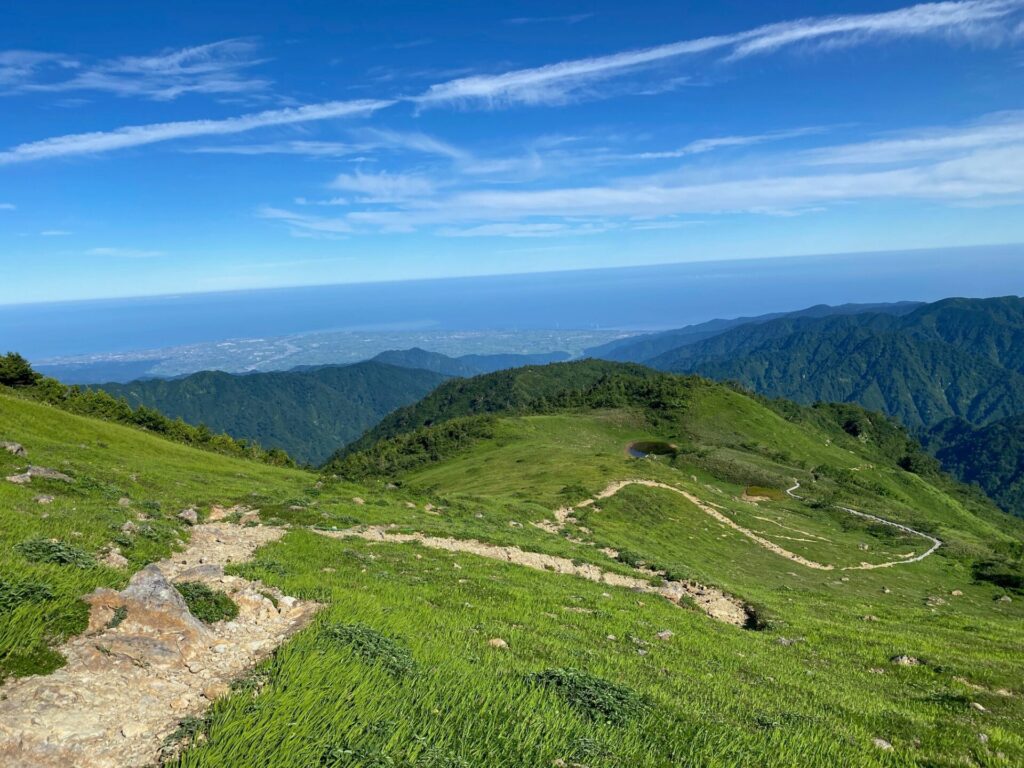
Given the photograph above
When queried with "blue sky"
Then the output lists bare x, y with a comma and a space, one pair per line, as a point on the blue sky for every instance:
184, 146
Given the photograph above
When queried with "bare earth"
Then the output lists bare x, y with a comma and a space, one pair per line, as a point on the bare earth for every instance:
125, 688
714, 602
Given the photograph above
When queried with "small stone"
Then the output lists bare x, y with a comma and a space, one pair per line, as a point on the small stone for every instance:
977, 706
215, 691
869, 617
613, 638
249, 518
665, 634
16, 448
124, 501
1005, 599
514, 524
44, 499
886, 590
882, 744
134, 730
358, 500
956, 593
195, 667
410, 505
189, 515
327, 569
479, 515
220, 648
47, 474
129, 527
845, 578
497, 642
114, 559
456, 566
903, 660
983, 738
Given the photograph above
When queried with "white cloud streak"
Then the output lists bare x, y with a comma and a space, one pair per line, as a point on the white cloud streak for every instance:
979, 164
123, 253
138, 135
555, 83
214, 68
383, 187
998, 130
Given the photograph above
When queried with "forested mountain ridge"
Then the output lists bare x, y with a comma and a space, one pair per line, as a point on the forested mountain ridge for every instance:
464, 365
638, 349
307, 412
957, 357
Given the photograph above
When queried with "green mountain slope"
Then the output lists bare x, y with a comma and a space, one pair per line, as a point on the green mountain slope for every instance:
307, 412
991, 456
638, 349
464, 365
402, 665
503, 391
957, 358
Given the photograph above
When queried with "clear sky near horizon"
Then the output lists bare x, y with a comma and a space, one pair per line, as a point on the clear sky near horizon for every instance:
179, 147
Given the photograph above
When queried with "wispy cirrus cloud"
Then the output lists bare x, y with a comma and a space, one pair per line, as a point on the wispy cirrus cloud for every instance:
972, 20
383, 187
19, 67
305, 148
54, 233
7, 206
214, 68
123, 253
977, 164
573, 18
139, 135
700, 146
994, 131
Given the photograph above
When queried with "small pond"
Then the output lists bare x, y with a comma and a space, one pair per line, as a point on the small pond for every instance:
644, 448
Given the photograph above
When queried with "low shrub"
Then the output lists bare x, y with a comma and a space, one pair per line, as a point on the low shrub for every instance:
594, 697
15, 593
373, 647
57, 552
207, 604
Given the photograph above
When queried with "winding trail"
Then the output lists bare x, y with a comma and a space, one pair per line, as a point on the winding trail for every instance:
564, 515
716, 603
936, 543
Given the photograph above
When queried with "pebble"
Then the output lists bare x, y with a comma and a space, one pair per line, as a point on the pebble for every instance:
497, 642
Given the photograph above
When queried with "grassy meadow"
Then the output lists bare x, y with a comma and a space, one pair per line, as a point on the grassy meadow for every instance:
399, 669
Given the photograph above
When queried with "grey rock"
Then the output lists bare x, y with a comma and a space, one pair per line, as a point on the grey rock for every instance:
16, 448
189, 515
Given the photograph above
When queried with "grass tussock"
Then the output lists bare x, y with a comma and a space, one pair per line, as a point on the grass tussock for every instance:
56, 552
206, 604
373, 647
596, 698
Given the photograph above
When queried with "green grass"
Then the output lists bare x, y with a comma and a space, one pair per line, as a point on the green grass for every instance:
206, 604
398, 670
